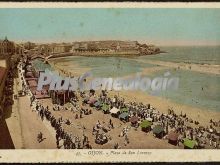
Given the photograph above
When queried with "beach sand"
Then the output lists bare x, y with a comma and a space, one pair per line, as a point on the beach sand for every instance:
211, 69
145, 140
75, 70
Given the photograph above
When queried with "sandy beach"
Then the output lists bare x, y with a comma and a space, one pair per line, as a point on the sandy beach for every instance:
161, 104
203, 115
88, 121
211, 69
74, 71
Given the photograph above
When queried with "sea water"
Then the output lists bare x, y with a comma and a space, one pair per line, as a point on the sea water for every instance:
104, 66
196, 89
189, 54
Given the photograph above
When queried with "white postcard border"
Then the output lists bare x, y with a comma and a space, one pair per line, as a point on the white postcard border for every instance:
108, 155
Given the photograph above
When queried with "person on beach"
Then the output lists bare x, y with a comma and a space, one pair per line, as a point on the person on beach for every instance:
40, 137
126, 142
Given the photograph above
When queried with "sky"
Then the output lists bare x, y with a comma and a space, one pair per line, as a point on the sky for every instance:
158, 26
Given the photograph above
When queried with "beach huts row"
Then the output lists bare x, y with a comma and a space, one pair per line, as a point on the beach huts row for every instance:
146, 125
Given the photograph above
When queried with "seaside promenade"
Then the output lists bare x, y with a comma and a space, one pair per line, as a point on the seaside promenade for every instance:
24, 125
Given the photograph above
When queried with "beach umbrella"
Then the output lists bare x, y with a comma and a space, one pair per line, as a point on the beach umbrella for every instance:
134, 119
124, 110
114, 110
123, 115
158, 129
189, 143
145, 124
173, 136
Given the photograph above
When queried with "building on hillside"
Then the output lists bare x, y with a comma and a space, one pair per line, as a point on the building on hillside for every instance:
19, 49
44, 49
29, 45
60, 48
80, 46
127, 45
7, 47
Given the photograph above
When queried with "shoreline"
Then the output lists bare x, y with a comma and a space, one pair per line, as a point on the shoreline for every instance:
109, 54
162, 104
211, 69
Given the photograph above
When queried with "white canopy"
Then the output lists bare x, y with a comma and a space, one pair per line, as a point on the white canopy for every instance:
114, 110
149, 119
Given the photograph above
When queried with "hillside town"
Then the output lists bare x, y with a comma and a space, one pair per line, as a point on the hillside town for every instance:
92, 48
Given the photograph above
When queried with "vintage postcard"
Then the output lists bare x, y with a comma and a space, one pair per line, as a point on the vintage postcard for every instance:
109, 82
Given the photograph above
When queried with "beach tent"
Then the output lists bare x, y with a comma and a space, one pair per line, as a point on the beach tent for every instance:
190, 144
114, 110
134, 119
105, 108
173, 137
97, 104
92, 100
124, 110
124, 116
149, 119
146, 125
158, 130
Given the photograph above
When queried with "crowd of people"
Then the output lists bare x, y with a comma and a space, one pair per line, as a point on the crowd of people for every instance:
63, 139
182, 124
